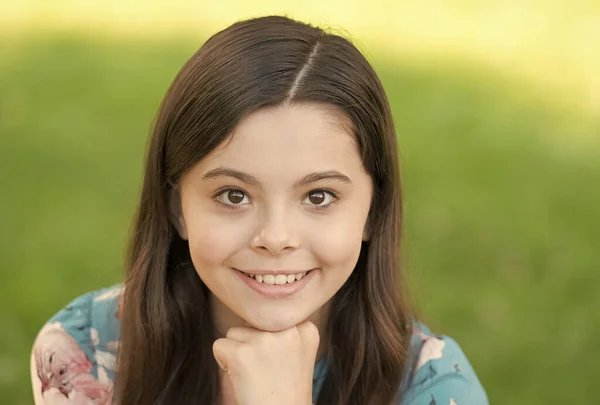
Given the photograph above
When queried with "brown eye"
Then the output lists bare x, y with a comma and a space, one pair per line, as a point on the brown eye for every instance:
235, 196
320, 198
316, 197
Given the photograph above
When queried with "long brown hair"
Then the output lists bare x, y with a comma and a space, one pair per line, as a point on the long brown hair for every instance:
165, 355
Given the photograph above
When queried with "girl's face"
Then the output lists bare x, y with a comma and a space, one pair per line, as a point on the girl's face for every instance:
285, 195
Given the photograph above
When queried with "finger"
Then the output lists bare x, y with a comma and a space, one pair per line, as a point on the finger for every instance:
243, 334
224, 350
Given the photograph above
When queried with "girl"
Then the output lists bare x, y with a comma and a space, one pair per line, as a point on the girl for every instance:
263, 267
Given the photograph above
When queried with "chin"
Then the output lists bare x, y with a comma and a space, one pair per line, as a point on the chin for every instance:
273, 322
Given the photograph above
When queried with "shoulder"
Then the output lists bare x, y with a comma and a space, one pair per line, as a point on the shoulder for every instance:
441, 373
74, 354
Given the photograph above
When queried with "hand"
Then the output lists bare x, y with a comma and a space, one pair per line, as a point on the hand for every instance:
269, 368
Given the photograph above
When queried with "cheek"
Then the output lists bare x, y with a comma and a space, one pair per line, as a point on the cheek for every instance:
338, 248
338, 242
213, 240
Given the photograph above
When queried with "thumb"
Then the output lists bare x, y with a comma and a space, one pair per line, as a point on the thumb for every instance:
224, 350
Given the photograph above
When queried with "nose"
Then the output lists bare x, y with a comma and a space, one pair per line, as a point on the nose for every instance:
274, 234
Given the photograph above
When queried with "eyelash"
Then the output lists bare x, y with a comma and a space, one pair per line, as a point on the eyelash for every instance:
332, 193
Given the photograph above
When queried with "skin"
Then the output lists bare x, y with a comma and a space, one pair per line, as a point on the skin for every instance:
274, 223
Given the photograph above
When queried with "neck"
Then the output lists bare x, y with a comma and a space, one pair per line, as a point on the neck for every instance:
224, 319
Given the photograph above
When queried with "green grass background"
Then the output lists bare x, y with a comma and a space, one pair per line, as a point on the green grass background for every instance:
501, 186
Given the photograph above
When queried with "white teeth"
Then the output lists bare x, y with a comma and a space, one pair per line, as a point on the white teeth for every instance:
279, 279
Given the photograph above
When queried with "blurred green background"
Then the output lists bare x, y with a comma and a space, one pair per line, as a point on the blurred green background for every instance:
497, 107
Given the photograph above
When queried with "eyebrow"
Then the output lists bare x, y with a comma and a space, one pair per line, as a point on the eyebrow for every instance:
253, 181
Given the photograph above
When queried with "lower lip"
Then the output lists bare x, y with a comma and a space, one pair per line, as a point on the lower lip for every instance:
276, 290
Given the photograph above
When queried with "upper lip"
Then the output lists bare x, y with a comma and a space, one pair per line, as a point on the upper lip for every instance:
262, 272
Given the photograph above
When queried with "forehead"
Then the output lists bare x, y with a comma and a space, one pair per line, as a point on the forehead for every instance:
290, 139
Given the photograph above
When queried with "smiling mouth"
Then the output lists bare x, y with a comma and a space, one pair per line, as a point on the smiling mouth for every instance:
275, 278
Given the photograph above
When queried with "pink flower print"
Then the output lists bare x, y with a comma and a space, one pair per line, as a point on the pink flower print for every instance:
64, 370
432, 349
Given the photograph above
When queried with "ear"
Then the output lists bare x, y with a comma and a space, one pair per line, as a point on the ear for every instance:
175, 214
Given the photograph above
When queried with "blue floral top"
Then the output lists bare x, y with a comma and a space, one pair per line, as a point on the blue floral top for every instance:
73, 360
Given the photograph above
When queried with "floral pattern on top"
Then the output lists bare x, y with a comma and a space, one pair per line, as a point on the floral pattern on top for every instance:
73, 360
